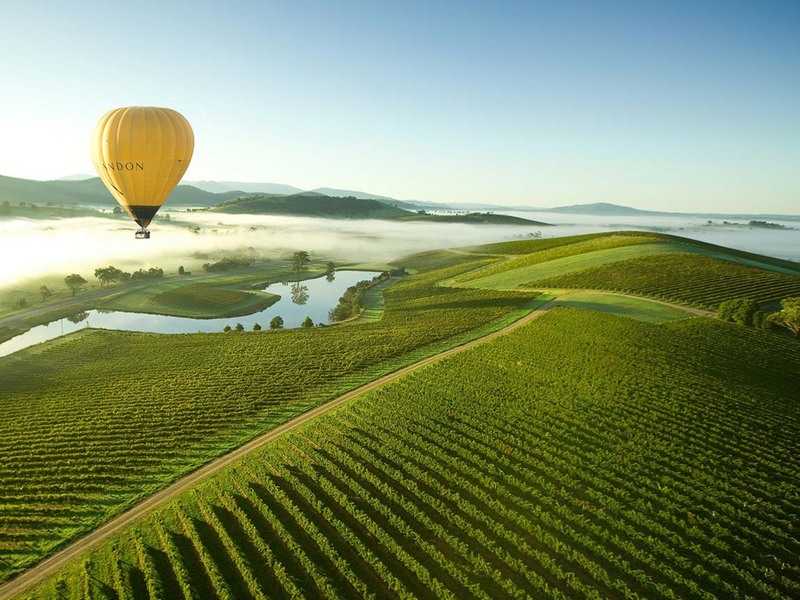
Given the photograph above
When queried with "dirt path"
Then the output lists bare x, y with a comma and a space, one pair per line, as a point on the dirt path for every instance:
39, 572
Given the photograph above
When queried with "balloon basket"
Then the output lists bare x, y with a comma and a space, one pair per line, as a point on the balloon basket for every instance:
143, 234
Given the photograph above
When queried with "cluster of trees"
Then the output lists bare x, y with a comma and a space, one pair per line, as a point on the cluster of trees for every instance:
746, 312
275, 323
111, 274
349, 304
228, 263
151, 273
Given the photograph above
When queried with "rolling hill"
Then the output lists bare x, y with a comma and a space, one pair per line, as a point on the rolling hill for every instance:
581, 455
315, 204
92, 192
310, 204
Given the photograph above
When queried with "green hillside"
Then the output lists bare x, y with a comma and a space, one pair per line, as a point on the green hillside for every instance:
311, 205
688, 278
479, 218
649, 264
95, 420
583, 456
615, 447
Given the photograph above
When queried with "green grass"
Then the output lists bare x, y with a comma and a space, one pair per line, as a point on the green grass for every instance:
215, 295
518, 268
567, 264
537, 245
640, 309
583, 456
687, 278
96, 420
196, 300
435, 259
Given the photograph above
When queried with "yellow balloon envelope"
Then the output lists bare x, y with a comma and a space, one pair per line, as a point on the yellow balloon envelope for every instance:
141, 153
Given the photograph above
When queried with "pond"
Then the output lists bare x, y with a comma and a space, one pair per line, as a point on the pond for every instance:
308, 298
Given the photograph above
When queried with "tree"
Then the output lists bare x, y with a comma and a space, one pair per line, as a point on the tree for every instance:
74, 282
276, 323
227, 328
789, 315
22, 302
300, 259
738, 310
181, 270
239, 327
308, 323
330, 271
109, 274
256, 327
45, 292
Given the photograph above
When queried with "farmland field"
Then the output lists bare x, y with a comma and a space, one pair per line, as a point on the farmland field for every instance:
86, 435
206, 295
688, 278
582, 456
531, 263
640, 309
96, 420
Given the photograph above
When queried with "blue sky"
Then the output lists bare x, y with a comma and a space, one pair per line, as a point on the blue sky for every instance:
682, 106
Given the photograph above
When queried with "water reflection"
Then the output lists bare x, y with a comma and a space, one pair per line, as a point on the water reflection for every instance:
300, 292
312, 298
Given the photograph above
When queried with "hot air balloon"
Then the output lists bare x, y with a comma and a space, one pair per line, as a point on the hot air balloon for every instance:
141, 153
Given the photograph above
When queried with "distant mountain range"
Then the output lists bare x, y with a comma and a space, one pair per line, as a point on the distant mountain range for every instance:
84, 190
249, 187
92, 192
606, 209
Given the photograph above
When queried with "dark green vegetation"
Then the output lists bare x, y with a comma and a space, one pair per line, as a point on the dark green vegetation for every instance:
789, 315
355, 298
583, 456
311, 205
478, 218
688, 278
37, 211
738, 310
96, 420
209, 299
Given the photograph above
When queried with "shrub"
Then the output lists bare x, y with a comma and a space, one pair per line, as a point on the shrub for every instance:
256, 327
276, 323
738, 310
761, 319
307, 323
789, 315
239, 327
227, 328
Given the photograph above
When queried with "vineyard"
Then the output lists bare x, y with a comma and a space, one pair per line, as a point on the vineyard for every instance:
518, 267
687, 278
94, 421
582, 456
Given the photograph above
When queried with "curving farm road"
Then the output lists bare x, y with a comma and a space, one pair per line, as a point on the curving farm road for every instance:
39, 572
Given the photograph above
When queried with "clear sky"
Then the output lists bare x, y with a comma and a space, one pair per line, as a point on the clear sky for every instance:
667, 105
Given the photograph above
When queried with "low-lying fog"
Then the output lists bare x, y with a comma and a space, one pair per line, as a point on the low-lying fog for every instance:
31, 248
